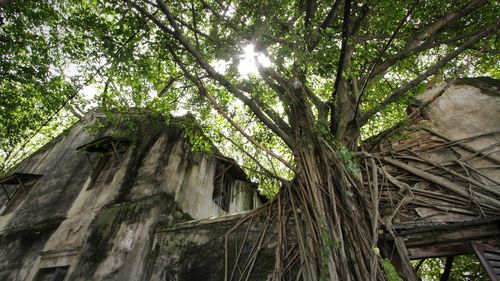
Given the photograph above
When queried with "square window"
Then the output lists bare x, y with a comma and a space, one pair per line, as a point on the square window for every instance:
15, 188
52, 273
222, 186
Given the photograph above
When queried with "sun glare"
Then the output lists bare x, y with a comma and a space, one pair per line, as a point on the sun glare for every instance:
250, 60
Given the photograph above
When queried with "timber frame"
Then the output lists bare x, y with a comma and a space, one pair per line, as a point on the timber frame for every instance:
21, 182
106, 144
437, 240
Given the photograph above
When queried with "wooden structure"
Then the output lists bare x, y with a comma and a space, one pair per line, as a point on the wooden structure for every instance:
441, 193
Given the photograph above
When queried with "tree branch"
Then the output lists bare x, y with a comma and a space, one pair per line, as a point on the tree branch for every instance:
329, 17
177, 34
265, 171
221, 79
324, 25
310, 8
399, 92
194, 30
354, 28
447, 269
382, 52
201, 88
430, 31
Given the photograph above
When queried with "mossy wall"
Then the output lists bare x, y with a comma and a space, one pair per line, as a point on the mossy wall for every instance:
19, 252
105, 231
118, 241
197, 253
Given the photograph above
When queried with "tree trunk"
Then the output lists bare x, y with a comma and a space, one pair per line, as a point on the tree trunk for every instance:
327, 218
337, 213
337, 217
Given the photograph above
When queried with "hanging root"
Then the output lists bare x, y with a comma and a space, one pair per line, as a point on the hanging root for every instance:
325, 224
322, 226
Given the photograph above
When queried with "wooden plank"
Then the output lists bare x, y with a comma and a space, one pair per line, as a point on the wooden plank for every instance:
449, 239
16, 177
485, 254
448, 235
442, 250
492, 256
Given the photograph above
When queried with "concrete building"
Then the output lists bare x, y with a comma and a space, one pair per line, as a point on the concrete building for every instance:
84, 207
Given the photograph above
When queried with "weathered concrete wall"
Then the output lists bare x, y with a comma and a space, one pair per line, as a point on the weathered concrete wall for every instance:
102, 229
457, 139
118, 243
64, 172
469, 108
468, 112
195, 251
20, 253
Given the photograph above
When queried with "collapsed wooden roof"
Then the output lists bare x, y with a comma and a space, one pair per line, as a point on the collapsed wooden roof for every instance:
447, 167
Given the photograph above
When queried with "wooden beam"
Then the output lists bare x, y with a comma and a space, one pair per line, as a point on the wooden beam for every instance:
439, 250
448, 239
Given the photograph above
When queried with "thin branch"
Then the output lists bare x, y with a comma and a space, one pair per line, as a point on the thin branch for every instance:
419, 264
195, 30
363, 16
324, 25
401, 91
329, 17
319, 104
430, 32
199, 84
170, 82
264, 171
447, 269
193, 16
367, 37
382, 52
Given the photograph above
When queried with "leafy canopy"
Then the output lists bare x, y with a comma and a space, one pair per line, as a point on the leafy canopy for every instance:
250, 57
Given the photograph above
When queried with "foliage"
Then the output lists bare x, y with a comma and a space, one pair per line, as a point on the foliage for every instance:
49, 39
31, 86
465, 267
348, 159
392, 274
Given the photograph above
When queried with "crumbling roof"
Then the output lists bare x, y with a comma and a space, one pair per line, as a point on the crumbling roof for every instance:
440, 173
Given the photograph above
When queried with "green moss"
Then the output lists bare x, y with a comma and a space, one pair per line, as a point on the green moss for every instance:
392, 274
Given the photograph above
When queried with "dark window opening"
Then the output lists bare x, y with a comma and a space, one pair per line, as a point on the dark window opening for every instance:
105, 169
222, 186
15, 188
105, 156
52, 273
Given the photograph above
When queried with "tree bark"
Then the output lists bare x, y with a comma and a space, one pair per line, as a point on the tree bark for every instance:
336, 212
447, 269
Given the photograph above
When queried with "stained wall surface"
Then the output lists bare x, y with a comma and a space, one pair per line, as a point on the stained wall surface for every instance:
89, 225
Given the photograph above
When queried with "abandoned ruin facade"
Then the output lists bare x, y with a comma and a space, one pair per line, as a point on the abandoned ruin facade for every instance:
106, 207
85, 206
